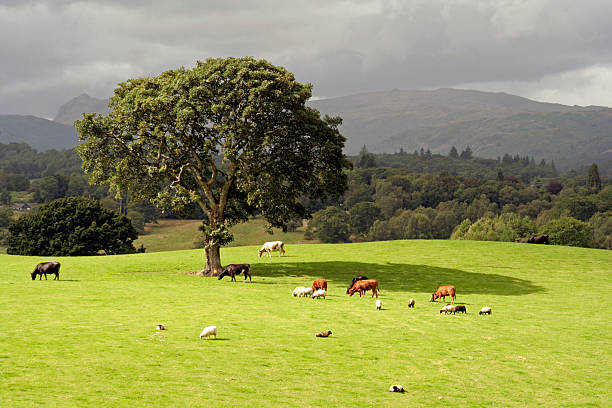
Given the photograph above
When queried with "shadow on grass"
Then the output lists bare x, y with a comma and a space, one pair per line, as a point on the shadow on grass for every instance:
400, 277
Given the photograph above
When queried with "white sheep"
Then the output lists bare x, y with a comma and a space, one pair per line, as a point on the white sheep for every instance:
319, 293
378, 304
396, 388
485, 310
209, 331
297, 291
305, 292
448, 309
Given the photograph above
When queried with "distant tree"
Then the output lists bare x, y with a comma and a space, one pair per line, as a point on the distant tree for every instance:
593, 180
71, 226
466, 154
51, 188
500, 175
554, 187
569, 231
6, 214
366, 159
5, 197
362, 216
453, 153
330, 225
602, 230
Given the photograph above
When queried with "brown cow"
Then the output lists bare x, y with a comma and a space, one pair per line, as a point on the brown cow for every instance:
362, 286
442, 292
319, 284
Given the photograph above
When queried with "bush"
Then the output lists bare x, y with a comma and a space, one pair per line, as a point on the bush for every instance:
71, 226
330, 225
569, 231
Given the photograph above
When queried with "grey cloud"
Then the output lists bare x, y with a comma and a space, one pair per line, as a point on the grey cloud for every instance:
52, 51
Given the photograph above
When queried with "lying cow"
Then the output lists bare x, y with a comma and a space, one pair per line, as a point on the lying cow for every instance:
272, 246
442, 292
44, 268
236, 269
362, 286
538, 239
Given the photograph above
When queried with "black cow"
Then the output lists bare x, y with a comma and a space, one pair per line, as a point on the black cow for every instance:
44, 268
355, 279
538, 239
236, 269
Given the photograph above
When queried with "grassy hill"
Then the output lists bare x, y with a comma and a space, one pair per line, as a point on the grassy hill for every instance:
90, 339
41, 134
173, 235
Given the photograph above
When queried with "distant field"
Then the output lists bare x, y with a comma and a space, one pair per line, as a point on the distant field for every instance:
173, 235
90, 339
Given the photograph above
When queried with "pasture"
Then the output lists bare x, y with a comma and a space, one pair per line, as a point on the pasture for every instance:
89, 339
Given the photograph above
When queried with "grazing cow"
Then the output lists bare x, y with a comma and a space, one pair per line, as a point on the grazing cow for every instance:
44, 268
355, 279
364, 285
271, 246
442, 292
538, 239
319, 284
236, 269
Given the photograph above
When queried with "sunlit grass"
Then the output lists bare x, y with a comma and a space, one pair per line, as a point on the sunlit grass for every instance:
90, 339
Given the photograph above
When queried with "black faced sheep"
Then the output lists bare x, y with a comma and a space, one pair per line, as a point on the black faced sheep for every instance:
485, 310
411, 303
396, 388
323, 334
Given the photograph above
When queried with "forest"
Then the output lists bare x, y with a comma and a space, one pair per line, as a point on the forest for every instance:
416, 195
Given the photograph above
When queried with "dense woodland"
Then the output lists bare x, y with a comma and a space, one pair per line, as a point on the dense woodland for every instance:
416, 195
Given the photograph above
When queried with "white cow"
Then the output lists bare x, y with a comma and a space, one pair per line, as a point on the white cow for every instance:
268, 247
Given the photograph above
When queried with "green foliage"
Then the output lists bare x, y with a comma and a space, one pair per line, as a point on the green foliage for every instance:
330, 225
6, 214
233, 135
602, 230
593, 181
362, 216
71, 226
569, 231
504, 227
22, 159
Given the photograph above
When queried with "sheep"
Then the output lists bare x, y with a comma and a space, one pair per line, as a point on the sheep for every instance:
485, 310
160, 327
323, 334
305, 292
448, 309
319, 293
460, 308
378, 304
396, 388
411, 303
209, 331
297, 291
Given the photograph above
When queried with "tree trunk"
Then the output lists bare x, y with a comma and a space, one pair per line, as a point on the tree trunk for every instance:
213, 259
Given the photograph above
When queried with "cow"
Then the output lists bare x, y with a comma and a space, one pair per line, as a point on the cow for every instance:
362, 286
236, 269
355, 279
44, 268
538, 239
442, 292
319, 284
271, 246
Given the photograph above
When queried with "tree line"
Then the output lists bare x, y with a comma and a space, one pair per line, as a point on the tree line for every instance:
385, 203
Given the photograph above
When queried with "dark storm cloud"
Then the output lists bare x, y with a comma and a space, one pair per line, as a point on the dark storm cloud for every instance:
52, 51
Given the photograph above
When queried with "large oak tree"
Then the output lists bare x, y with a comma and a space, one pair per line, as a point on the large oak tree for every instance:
233, 135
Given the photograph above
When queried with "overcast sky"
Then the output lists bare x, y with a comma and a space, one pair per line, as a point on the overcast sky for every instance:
555, 50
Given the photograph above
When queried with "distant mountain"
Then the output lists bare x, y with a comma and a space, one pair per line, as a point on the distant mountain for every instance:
41, 134
490, 123
74, 109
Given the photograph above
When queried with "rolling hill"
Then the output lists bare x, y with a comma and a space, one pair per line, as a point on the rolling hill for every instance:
492, 124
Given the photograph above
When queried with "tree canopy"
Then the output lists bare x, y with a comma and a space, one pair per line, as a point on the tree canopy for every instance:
233, 135
71, 226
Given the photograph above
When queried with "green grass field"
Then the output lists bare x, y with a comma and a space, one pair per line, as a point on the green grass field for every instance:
173, 235
90, 339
